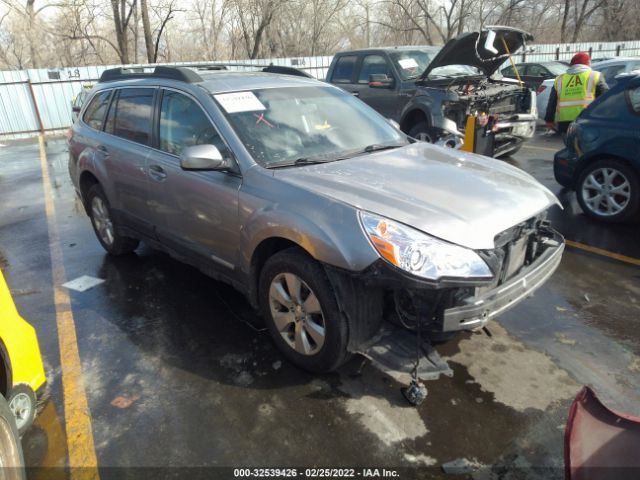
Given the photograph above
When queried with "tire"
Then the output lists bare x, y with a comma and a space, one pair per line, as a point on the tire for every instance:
421, 131
103, 225
297, 332
607, 178
23, 404
11, 458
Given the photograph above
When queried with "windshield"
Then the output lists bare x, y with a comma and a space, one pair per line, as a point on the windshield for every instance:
411, 63
556, 68
281, 125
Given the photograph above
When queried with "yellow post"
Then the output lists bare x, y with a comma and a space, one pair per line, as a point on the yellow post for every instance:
469, 134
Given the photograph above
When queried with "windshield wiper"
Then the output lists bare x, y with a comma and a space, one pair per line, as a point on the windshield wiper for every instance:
376, 147
301, 161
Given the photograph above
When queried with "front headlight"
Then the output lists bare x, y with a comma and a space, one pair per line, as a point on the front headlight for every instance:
420, 254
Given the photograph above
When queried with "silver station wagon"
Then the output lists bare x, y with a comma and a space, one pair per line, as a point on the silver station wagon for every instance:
340, 229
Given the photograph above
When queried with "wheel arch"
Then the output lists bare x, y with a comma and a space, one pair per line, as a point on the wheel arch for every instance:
86, 181
263, 251
6, 378
414, 115
586, 162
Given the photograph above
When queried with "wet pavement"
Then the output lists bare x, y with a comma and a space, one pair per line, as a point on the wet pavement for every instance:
178, 372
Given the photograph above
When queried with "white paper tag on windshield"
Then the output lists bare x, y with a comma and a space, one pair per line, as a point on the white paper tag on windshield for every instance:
239, 102
407, 63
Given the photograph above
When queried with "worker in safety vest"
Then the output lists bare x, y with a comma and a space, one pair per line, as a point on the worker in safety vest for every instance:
572, 92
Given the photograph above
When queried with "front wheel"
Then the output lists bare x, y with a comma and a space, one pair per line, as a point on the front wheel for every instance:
11, 459
301, 311
609, 190
421, 131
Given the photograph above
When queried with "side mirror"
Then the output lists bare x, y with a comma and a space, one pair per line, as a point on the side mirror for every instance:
202, 157
380, 80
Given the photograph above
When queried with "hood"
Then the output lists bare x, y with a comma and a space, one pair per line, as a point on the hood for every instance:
469, 49
459, 197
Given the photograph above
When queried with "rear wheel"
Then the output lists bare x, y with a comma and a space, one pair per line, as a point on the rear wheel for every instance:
22, 403
301, 311
11, 459
609, 190
104, 225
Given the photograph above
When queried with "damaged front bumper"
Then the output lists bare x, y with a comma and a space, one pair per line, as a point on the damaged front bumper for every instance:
458, 304
478, 310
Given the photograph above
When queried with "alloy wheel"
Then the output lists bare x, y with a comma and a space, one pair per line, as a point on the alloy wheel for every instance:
606, 191
102, 220
21, 407
297, 314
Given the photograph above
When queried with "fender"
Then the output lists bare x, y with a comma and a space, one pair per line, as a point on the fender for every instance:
87, 162
318, 238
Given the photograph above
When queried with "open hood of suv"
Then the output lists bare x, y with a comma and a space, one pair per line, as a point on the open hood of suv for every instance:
471, 49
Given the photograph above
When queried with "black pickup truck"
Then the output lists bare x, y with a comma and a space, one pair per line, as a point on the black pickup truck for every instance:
430, 91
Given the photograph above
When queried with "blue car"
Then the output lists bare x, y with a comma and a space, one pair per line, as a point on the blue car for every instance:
601, 160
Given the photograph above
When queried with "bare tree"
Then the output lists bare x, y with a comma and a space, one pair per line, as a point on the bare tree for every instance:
121, 18
582, 10
213, 17
253, 17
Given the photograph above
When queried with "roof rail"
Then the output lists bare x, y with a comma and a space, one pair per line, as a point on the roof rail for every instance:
171, 73
281, 70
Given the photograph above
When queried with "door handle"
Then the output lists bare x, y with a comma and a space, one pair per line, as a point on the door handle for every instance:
157, 173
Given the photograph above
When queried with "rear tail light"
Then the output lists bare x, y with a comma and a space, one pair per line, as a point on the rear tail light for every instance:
541, 88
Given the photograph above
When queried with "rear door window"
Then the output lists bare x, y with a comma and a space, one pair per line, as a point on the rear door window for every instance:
536, 70
184, 124
94, 114
508, 72
130, 116
344, 69
371, 65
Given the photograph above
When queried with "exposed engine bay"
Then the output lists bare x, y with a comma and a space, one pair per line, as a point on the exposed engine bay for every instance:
505, 110
494, 99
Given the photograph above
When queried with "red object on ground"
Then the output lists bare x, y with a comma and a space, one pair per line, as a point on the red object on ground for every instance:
581, 58
600, 443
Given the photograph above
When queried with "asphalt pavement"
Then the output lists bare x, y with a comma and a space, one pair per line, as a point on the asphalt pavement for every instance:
177, 372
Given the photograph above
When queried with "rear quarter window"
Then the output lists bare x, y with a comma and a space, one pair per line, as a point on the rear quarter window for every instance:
95, 112
609, 108
343, 71
633, 98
